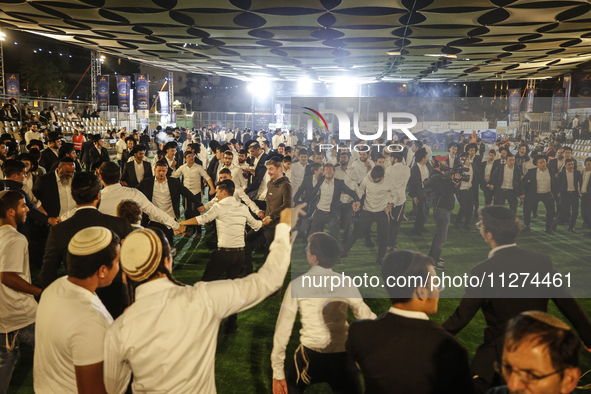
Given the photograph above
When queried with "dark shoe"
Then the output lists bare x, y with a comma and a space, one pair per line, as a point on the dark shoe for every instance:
391, 249
344, 254
379, 261
440, 266
467, 227
197, 236
189, 232
369, 244
231, 328
526, 229
572, 230
554, 227
424, 230
549, 231
535, 215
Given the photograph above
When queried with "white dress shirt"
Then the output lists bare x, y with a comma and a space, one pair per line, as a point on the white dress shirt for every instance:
230, 218
468, 185
361, 169
424, 172
240, 196
192, 176
398, 174
487, 170
349, 176
32, 135
560, 164
152, 338
543, 181
326, 193
161, 197
297, 175
112, 195
121, 145
495, 250
409, 314
64, 187
323, 315
570, 181
575, 122
139, 170
586, 175
452, 161
507, 178
377, 195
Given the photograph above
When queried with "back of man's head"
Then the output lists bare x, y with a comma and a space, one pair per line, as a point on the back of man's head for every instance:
501, 222
9, 199
85, 187
12, 167
89, 250
110, 173
404, 264
325, 248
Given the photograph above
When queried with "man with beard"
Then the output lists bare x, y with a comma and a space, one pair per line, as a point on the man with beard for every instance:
237, 178
363, 165
17, 305
54, 188
137, 169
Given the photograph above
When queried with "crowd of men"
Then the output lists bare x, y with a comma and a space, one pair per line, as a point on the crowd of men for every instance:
67, 207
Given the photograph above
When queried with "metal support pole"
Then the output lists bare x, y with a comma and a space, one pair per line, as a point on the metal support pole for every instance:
2, 81
170, 93
95, 72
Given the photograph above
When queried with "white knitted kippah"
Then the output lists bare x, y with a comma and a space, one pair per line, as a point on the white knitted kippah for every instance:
141, 254
90, 240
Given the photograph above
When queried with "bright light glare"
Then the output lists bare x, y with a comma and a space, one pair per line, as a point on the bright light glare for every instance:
305, 86
345, 88
260, 87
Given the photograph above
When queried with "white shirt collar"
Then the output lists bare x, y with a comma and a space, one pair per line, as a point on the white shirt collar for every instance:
85, 207
495, 250
152, 287
409, 314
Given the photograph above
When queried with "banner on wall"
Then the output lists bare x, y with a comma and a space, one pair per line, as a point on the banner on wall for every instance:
263, 112
514, 105
123, 87
558, 105
164, 110
102, 92
142, 91
12, 85
530, 100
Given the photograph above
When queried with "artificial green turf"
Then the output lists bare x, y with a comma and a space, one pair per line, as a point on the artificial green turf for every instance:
242, 359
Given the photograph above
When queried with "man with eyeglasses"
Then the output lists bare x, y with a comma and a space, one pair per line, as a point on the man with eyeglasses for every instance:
499, 226
540, 356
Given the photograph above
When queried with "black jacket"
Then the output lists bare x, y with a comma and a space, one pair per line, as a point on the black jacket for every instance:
563, 182
85, 152
129, 175
482, 169
335, 205
415, 182
530, 183
48, 159
306, 192
278, 198
444, 190
46, 191
497, 177
96, 157
259, 174
402, 355
553, 165
176, 189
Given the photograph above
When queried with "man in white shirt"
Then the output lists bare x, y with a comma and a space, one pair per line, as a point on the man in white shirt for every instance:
363, 165
298, 170
239, 195
465, 194
277, 139
113, 193
231, 218
379, 201
398, 174
542, 187
120, 146
164, 310
321, 355
237, 178
569, 183
33, 134
69, 353
193, 174
17, 305
348, 174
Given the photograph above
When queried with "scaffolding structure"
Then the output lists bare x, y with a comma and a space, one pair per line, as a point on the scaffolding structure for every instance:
95, 72
171, 94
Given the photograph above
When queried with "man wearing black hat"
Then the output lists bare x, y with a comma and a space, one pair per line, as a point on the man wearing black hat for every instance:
51, 155
54, 188
98, 154
137, 169
5, 115
35, 144
85, 152
130, 143
69, 150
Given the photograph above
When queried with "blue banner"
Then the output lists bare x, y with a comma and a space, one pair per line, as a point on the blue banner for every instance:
514, 104
102, 92
12, 85
558, 105
142, 89
489, 136
123, 87
530, 101
164, 110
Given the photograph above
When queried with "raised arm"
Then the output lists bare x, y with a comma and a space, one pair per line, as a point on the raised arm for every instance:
283, 329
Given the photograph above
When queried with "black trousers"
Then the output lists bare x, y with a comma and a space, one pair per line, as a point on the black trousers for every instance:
395, 222
507, 195
167, 231
586, 208
191, 211
475, 200
253, 239
366, 219
321, 219
488, 195
422, 213
346, 221
466, 200
569, 209
228, 262
336, 369
532, 201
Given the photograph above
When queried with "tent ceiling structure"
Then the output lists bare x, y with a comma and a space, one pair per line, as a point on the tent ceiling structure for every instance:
324, 40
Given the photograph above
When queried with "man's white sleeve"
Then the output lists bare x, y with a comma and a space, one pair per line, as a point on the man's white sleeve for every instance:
249, 203
207, 206
283, 329
153, 212
208, 216
252, 222
234, 296
116, 371
178, 172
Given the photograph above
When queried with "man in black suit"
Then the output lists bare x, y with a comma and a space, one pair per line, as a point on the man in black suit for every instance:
52, 188
487, 168
165, 193
51, 154
418, 173
569, 183
86, 189
499, 228
136, 170
85, 152
402, 351
505, 183
586, 193
327, 207
465, 193
452, 158
305, 193
476, 161
98, 154
540, 185
68, 150
258, 159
